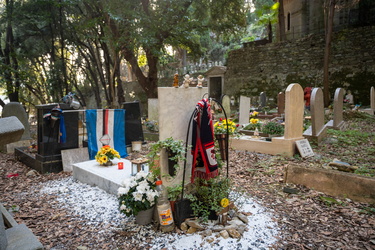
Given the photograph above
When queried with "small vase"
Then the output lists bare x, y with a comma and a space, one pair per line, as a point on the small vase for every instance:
107, 164
144, 217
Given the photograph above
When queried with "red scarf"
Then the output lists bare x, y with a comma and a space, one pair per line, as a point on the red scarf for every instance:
203, 148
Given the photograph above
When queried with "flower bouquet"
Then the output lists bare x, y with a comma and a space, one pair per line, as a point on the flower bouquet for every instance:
137, 193
220, 127
105, 155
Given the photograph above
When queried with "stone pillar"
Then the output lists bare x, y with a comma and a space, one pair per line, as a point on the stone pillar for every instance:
294, 110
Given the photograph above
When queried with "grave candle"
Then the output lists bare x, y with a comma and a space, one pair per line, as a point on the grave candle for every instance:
120, 165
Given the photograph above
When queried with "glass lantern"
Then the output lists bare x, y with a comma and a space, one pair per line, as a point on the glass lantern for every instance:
139, 165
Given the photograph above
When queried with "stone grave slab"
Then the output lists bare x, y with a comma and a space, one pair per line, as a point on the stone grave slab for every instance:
17, 110
71, 156
107, 178
11, 130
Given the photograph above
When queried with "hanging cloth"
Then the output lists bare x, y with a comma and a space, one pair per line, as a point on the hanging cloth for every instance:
110, 122
55, 115
203, 146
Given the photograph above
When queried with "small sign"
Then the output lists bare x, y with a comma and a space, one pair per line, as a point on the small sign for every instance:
304, 148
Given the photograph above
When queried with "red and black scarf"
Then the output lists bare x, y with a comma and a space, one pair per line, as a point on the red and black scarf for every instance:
203, 146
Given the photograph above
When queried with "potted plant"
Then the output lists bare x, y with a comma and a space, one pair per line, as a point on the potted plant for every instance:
273, 128
209, 197
137, 196
175, 150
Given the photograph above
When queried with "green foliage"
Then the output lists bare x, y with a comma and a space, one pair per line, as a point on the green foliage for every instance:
331, 201
368, 210
207, 196
273, 128
349, 137
174, 192
177, 147
363, 170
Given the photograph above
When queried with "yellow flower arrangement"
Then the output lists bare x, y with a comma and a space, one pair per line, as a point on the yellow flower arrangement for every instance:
220, 127
254, 114
105, 154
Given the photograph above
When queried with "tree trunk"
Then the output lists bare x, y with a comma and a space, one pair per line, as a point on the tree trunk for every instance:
281, 17
330, 11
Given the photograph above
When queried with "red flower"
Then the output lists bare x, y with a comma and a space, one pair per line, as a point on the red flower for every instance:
237, 125
221, 119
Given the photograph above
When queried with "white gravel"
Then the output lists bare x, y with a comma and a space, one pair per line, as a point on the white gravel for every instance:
98, 208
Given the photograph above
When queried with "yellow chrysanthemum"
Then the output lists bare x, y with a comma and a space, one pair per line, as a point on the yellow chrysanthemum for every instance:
224, 202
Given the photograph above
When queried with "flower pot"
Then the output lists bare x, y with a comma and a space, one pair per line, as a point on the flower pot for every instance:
136, 146
144, 217
222, 141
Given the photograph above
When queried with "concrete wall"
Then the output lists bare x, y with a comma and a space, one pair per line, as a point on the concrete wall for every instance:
272, 67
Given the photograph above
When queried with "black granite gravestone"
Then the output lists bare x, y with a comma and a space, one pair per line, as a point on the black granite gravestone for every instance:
133, 123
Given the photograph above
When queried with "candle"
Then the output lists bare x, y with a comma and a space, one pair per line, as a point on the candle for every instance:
120, 165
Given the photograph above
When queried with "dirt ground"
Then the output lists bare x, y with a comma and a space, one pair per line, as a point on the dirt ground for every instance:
306, 220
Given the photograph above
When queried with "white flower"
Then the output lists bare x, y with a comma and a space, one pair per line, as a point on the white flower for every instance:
122, 190
137, 196
123, 207
141, 174
151, 196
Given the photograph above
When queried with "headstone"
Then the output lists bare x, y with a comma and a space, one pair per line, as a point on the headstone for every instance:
226, 104
281, 103
174, 120
244, 110
263, 99
11, 130
294, 111
72, 156
304, 148
215, 76
133, 123
349, 97
153, 112
17, 110
338, 118
317, 130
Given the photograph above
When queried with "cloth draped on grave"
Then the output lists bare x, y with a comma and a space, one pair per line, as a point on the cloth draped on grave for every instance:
109, 122
203, 146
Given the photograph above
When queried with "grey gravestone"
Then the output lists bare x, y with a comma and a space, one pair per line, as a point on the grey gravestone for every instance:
338, 117
244, 110
17, 110
11, 130
71, 156
281, 103
263, 99
226, 104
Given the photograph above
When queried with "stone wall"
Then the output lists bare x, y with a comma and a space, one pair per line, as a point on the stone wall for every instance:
272, 67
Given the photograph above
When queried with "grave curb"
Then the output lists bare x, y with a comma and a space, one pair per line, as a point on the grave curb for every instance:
333, 182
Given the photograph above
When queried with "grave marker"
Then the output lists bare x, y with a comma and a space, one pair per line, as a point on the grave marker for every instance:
338, 119
371, 110
244, 110
226, 104
17, 110
263, 99
153, 112
304, 148
281, 103
317, 130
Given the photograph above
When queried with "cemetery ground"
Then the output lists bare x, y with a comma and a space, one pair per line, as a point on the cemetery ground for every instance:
306, 219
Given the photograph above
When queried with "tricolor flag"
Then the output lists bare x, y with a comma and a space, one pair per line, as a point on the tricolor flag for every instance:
106, 122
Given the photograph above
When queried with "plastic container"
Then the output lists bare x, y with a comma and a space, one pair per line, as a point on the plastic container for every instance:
164, 209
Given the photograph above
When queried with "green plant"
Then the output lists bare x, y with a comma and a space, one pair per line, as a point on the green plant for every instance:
331, 201
174, 192
273, 128
137, 193
365, 171
207, 196
152, 126
220, 127
176, 147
